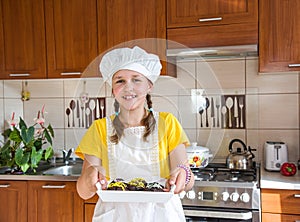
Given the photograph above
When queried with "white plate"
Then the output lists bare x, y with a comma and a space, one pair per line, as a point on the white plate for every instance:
134, 196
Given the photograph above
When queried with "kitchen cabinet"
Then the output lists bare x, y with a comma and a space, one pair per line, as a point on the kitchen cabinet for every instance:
13, 196
89, 206
22, 39
71, 34
48, 39
53, 199
279, 36
280, 205
126, 23
205, 23
40, 201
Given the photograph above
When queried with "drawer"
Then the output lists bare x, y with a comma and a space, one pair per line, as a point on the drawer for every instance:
267, 217
280, 201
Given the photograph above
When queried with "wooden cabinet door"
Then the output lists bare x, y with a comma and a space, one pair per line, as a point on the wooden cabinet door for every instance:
280, 201
54, 201
22, 39
13, 196
208, 23
88, 212
71, 29
126, 23
268, 217
279, 35
186, 13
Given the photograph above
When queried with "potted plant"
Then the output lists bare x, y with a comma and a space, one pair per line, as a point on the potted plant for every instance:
23, 146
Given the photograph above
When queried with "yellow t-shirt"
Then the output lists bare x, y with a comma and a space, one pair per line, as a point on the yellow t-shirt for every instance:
170, 135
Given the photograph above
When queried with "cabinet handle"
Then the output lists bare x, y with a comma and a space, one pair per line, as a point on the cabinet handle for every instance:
18, 74
297, 195
210, 19
294, 65
70, 73
4, 185
54, 186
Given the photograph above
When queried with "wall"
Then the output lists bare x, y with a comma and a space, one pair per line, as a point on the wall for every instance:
271, 103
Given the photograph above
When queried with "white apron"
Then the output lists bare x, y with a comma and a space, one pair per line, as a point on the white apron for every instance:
130, 158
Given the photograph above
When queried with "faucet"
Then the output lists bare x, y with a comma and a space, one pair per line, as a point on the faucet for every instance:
66, 155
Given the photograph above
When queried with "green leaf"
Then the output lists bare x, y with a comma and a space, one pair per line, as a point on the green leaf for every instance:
48, 137
21, 158
36, 157
49, 153
22, 124
38, 143
6, 133
51, 130
25, 167
27, 134
15, 136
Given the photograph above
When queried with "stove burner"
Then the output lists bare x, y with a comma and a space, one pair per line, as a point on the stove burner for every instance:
223, 174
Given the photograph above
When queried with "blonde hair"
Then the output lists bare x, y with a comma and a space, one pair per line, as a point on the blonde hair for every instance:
148, 121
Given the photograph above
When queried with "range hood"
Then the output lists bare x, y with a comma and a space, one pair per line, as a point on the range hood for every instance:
236, 50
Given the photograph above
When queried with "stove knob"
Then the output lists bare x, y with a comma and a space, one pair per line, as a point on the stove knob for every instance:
182, 194
234, 197
225, 196
191, 195
245, 197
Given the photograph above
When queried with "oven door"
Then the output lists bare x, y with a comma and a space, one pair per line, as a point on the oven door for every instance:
203, 214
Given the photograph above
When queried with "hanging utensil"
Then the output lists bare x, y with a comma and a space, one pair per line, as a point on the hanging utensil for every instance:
241, 105
218, 105
102, 106
84, 96
97, 109
68, 111
212, 112
87, 117
25, 92
92, 106
73, 106
224, 111
201, 110
206, 108
78, 112
236, 112
229, 104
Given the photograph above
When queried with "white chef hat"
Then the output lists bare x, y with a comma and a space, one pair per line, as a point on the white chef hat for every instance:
134, 59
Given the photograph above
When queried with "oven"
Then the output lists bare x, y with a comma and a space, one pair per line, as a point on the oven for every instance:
221, 194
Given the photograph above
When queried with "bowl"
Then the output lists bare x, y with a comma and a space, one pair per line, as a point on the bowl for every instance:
198, 156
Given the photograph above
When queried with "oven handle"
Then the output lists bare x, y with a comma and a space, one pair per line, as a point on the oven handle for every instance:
218, 214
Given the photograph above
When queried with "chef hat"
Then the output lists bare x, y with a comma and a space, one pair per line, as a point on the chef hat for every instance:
135, 59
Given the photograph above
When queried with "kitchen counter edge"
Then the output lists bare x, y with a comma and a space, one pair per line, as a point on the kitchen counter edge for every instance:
274, 180
39, 177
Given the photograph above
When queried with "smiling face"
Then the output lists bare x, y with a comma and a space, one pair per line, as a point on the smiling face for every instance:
130, 89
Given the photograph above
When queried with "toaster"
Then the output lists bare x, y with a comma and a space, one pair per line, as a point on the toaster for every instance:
275, 154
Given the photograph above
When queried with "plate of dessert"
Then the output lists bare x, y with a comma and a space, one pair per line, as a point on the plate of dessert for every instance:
136, 190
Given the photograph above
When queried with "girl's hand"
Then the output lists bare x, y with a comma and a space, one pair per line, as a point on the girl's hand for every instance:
178, 178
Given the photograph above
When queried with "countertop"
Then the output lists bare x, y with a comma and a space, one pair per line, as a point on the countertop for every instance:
40, 176
274, 180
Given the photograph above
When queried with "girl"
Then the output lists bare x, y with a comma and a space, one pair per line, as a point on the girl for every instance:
134, 142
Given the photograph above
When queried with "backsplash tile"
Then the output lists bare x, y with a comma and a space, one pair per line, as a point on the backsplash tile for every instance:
268, 82
278, 111
271, 103
53, 108
45, 88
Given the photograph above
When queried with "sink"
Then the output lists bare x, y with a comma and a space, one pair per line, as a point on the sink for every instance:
67, 170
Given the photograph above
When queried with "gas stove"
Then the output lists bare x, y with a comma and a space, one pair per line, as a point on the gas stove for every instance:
219, 189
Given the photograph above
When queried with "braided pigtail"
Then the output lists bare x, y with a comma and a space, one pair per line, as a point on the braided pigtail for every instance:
118, 126
149, 120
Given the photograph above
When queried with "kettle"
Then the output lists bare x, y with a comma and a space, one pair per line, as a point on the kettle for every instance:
241, 159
